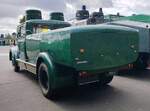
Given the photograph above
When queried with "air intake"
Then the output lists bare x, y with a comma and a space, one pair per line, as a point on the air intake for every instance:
57, 16
33, 14
82, 14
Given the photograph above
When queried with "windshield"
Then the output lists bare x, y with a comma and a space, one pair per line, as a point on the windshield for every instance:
40, 28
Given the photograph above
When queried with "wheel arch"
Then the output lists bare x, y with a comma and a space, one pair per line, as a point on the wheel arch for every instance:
13, 54
44, 57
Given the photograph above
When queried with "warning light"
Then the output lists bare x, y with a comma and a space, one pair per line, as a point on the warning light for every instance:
82, 50
83, 74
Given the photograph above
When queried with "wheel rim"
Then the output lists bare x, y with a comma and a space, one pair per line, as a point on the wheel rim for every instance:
43, 79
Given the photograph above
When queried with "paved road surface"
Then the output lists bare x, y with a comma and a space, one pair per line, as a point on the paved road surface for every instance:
20, 92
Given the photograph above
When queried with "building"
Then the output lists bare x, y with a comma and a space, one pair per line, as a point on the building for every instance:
8, 39
2, 39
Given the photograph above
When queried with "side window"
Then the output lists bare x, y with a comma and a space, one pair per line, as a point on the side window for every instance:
18, 31
39, 29
21, 31
35, 30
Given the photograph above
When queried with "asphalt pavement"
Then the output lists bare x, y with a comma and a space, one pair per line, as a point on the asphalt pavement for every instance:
20, 92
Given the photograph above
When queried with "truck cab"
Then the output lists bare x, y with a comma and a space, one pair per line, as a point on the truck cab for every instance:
35, 26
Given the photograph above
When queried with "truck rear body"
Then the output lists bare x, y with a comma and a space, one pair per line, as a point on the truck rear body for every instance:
103, 48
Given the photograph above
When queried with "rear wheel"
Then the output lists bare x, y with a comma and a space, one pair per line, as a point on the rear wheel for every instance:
142, 61
44, 81
105, 78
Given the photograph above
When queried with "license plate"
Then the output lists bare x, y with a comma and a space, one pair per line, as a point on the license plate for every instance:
88, 79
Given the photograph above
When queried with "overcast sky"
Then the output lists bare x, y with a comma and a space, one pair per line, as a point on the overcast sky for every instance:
11, 10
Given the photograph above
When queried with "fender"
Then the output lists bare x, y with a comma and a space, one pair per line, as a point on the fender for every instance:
44, 57
13, 54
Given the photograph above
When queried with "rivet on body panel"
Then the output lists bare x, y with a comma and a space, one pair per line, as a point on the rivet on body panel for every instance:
102, 55
77, 59
117, 53
132, 46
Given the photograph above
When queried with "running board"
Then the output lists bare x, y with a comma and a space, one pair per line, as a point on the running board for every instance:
84, 83
27, 66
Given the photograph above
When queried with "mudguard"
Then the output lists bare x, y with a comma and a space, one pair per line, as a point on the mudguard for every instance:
51, 68
13, 54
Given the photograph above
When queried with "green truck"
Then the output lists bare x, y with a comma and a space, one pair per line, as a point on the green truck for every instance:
143, 60
63, 56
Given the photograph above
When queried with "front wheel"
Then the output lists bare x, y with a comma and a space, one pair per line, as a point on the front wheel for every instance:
15, 65
44, 81
105, 78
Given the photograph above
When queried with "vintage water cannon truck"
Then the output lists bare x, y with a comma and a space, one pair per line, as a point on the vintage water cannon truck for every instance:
63, 56
84, 18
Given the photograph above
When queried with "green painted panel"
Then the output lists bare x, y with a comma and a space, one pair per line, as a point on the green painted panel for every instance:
144, 33
104, 47
33, 47
139, 18
57, 44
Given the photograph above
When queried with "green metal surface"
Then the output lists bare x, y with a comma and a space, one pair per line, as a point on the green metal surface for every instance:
33, 14
138, 18
144, 33
60, 76
106, 47
57, 16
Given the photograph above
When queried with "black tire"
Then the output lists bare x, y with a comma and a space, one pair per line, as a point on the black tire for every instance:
16, 68
44, 82
15, 65
142, 62
10, 56
105, 79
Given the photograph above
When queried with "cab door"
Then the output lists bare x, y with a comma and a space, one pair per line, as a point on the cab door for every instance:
33, 44
21, 41
32, 47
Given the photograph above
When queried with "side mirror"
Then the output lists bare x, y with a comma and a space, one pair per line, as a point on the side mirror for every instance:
18, 34
28, 32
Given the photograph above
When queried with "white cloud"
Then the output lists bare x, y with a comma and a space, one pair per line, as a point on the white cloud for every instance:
135, 6
8, 25
11, 9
